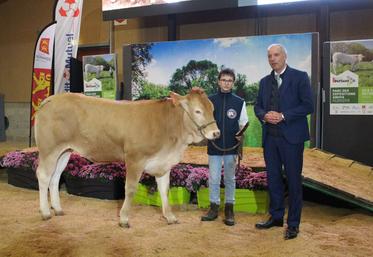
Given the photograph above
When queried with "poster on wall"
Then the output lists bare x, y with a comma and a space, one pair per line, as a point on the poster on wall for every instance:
351, 77
161, 67
100, 75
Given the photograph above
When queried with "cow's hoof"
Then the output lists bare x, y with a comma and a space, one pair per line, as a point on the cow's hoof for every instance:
124, 225
46, 217
172, 220
59, 213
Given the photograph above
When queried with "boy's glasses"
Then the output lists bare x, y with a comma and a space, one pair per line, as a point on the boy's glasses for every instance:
227, 80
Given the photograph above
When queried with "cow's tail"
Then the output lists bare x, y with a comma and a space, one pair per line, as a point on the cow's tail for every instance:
45, 101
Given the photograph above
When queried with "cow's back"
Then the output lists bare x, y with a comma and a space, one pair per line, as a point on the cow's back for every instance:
105, 130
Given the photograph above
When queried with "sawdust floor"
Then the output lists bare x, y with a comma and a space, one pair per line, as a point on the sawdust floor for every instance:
90, 228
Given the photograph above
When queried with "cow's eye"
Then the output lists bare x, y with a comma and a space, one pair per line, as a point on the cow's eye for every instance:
198, 111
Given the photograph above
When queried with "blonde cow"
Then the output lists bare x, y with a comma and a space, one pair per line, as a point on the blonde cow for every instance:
149, 135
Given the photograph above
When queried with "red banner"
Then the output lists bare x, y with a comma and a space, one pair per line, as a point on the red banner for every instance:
42, 71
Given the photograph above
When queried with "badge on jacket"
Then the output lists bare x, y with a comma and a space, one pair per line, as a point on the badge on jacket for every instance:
231, 113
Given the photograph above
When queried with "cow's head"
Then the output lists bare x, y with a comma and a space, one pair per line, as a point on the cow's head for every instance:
200, 112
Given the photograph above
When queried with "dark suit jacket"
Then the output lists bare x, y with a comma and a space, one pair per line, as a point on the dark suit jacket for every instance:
295, 103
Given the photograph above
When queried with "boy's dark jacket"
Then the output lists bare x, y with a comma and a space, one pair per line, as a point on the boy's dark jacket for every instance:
227, 111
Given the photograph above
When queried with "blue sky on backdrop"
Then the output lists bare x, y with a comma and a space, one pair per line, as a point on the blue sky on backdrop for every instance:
246, 55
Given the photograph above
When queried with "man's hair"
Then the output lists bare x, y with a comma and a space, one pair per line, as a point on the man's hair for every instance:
229, 72
283, 49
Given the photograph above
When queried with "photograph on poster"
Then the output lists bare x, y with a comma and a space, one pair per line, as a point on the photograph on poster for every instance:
161, 67
351, 77
100, 76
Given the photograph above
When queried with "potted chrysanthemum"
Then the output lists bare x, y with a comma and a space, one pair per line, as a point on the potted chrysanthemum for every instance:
250, 195
98, 180
21, 167
148, 194
251, 191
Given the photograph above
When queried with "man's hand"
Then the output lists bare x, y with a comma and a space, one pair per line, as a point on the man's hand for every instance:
273, 117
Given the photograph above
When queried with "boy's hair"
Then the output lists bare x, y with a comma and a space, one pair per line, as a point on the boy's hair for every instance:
228, 72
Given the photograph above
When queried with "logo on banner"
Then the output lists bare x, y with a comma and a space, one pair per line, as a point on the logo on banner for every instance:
40, 89
44, 45
69, 9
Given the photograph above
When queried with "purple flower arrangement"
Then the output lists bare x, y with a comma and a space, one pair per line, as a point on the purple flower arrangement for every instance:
182, 175
179, 175
106, 171
246, 178
19, 159
199, 176
73, 167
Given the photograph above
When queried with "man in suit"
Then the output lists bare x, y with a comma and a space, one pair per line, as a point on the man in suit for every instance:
283, 103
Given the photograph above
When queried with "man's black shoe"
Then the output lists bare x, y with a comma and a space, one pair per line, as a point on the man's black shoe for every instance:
291, 232
269, 223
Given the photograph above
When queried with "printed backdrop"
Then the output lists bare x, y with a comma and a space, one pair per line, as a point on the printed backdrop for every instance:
160, 67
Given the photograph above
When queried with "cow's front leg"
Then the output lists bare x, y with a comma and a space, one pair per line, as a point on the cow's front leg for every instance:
132, 180
163, 185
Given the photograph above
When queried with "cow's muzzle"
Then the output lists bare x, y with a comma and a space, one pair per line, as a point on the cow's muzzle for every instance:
210, 135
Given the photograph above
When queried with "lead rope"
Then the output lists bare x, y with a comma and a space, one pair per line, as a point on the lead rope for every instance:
200, 128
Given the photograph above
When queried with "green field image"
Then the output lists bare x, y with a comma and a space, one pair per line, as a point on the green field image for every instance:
364, 70
108, 83
253, 134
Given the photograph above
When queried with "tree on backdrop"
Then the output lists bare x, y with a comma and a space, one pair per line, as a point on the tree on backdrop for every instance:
141, 57
153, 91
196, 73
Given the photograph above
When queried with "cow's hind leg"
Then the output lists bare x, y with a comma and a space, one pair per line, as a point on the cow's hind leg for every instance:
44, 173
132, 179
163, 186
55, 181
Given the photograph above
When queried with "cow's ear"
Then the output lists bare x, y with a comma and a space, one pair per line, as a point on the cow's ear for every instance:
175, 98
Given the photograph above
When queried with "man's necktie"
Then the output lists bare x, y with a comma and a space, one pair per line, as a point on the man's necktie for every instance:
278, 79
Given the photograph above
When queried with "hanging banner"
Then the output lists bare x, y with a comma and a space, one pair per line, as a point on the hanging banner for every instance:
42, 71
351, 79
68, 15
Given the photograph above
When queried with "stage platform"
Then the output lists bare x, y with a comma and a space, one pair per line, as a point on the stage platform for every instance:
325, 172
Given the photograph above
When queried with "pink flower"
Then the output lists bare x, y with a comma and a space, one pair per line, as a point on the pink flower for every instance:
19, 159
